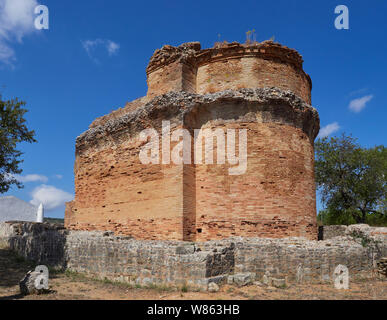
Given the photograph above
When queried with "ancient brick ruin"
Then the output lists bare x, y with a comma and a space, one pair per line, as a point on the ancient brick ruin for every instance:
259, 87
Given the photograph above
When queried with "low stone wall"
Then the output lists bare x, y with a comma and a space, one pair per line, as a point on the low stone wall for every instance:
146, 262
39, 242
302, 260
333, 231
329, 232
103, 255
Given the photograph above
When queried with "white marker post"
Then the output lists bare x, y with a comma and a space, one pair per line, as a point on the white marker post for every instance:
40, 214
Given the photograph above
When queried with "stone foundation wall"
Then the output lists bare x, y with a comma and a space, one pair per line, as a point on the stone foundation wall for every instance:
101, 254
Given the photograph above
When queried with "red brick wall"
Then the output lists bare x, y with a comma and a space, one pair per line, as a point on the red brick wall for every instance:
115, 191
251, 72
175, 76
275, 198
233, 66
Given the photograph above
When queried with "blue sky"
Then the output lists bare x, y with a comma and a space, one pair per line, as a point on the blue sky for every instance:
92, 60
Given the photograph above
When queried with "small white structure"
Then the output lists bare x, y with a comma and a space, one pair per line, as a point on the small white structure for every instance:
14, 209
40, 214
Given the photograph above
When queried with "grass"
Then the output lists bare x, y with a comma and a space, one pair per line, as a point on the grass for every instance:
161, 287
4, 245
74, 276
184, 288
54, 221
18, 259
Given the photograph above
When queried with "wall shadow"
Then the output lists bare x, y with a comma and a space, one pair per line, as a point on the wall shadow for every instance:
12, 268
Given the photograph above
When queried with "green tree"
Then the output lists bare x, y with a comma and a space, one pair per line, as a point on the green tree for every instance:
13, 130
331, 217
351, 180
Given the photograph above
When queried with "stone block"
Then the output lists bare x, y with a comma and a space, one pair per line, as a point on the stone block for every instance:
243, 279
185, 249
213, 287
278, 283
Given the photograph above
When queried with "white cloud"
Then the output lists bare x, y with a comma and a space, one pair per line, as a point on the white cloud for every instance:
7, 54
58, 176
31, 178
358, 92
113, 47
50, 196
328, 130
90, 46
16, 21
358, 105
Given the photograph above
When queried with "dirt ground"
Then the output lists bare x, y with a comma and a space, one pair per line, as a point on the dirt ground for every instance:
71, 286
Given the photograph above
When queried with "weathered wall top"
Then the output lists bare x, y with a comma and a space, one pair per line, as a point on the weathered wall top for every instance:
191, 52
186, 52
178, 104
266, 49
162, 81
